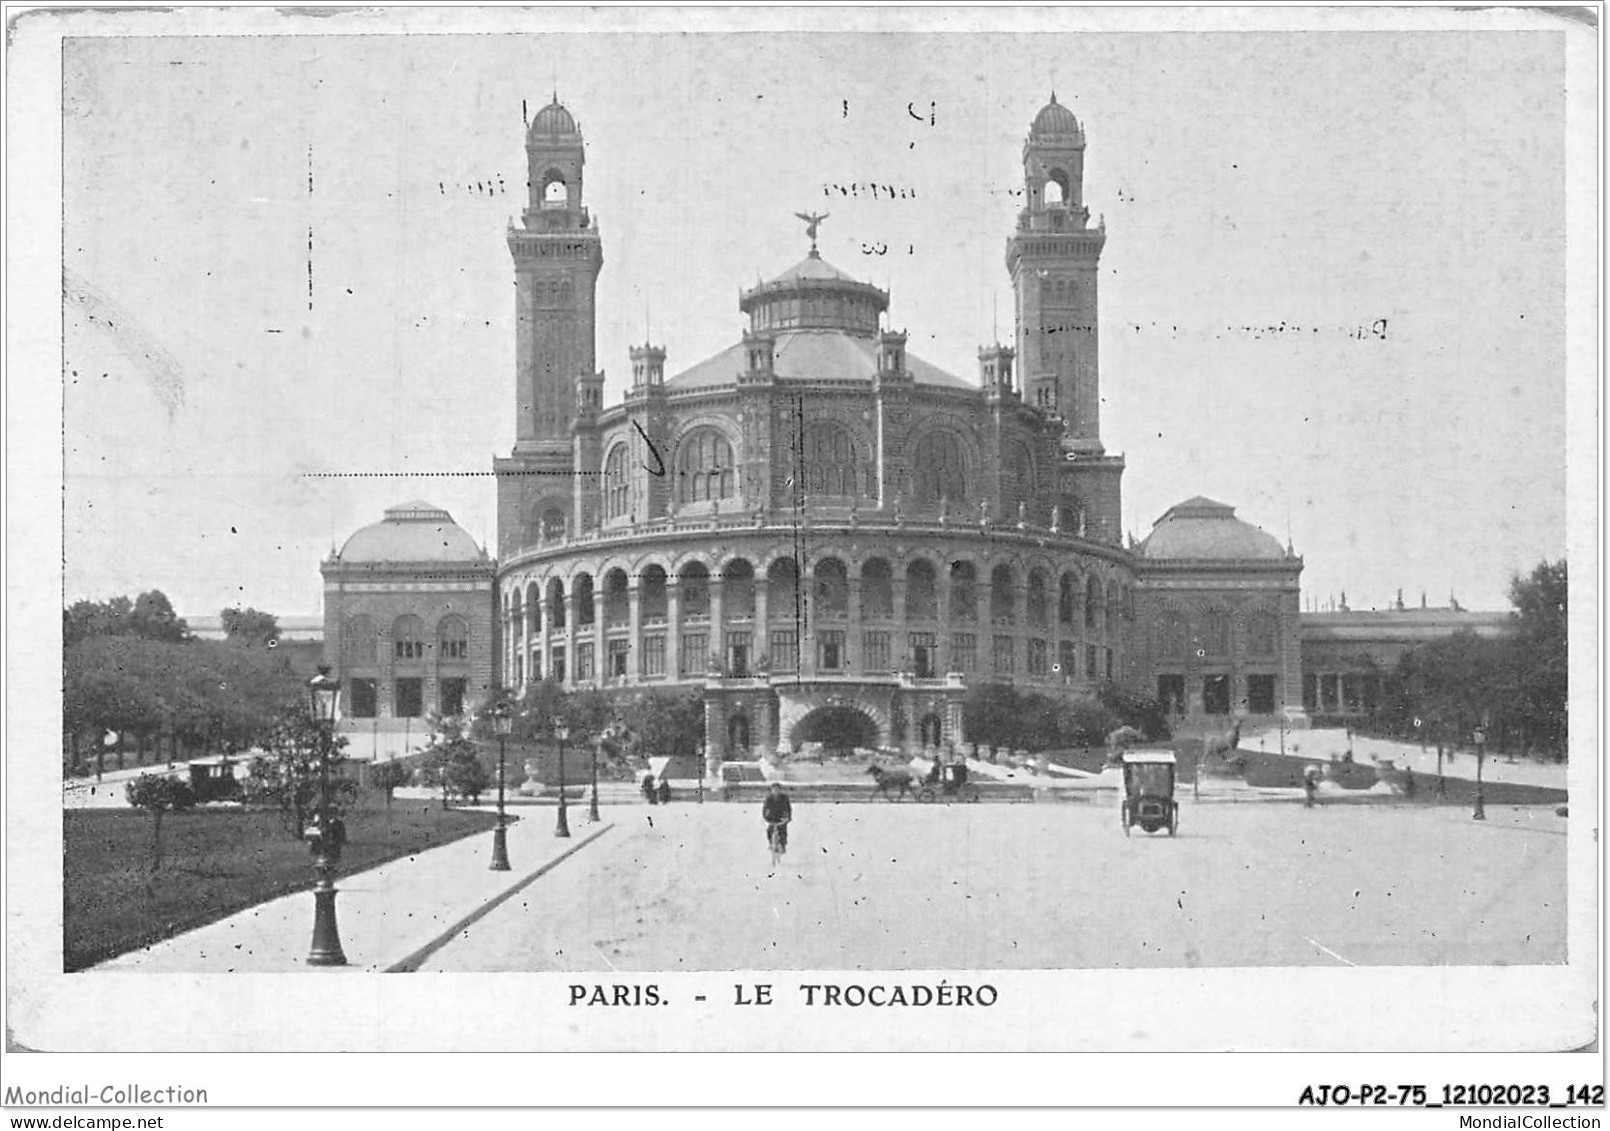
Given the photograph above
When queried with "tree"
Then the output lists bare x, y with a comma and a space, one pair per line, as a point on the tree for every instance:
1135, 709
250, 627
154, 619
287, 775
389, 776
464, 772
158, 794
989, 714
664, 724
445, 763
1539, 662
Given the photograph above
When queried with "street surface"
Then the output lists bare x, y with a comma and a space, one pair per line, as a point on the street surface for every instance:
992, 886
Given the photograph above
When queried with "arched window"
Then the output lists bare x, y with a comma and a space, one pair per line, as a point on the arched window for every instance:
533, 610
617, 485
1092, 601
358, 641
1002, 595
581, 595
1067, 597
616, 606
452, 639
922, 595
554, 194
408, 638
1039, 605
1216, 632
830, 461
556, 603
832, 588
963, 591
1261, 634
655, 594
704, 468
877, 589
738, 589
1173, 635
694, 590
782, 590
553, 524
940, 469
1056, 187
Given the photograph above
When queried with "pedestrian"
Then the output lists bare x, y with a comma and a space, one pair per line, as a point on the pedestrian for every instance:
1408, 782
648, 788
777, 811
664, 792
1311, 786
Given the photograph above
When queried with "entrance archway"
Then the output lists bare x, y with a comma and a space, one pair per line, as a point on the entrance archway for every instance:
738, 734
839, 729
932, 730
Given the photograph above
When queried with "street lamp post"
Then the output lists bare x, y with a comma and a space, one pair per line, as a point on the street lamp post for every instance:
592, 804
702, 764
1480, 738
326, 949
562, 733
503, 720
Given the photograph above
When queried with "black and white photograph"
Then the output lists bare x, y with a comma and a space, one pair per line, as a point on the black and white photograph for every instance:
806, 530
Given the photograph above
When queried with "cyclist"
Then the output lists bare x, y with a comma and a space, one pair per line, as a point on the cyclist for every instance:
777, 811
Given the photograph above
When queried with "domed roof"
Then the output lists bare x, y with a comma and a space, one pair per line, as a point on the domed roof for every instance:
1203, 529
1055, 118
813, 266
413, 531
553, 119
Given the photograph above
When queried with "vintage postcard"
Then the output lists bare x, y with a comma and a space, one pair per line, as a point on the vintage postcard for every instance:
805, 530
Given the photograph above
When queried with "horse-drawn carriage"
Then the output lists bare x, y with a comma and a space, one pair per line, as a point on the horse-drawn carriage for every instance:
945, 782
948, 782
1148, 799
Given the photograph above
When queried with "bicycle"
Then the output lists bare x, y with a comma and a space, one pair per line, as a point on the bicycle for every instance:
777, 840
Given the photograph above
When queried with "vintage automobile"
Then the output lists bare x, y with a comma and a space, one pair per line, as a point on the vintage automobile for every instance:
1148, 799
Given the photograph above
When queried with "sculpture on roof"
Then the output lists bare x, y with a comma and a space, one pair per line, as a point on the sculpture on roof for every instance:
813, 220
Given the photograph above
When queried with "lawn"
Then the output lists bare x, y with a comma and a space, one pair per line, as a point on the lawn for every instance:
215, 862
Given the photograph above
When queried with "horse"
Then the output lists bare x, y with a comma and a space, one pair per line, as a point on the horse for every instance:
884, 780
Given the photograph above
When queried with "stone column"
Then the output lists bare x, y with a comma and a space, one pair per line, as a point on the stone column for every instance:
900, 642
762, 622
673, 629
545, 633
522, 640
634, 618
854, 657
718, 626
571, 633
600, 659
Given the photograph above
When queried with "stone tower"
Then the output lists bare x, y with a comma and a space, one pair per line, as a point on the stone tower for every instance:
1053, 259
557, 255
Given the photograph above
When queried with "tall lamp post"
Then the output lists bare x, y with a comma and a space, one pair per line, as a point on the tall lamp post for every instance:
562, 733
323, 692
1480, 738
503, 720
592, 803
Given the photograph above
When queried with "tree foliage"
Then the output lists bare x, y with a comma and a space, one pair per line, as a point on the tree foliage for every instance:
131, 668
999, 714
388, 777
1515, 688
287, 775
158, 794
251, 628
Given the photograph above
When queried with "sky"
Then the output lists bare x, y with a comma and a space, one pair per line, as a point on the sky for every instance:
1332, 295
